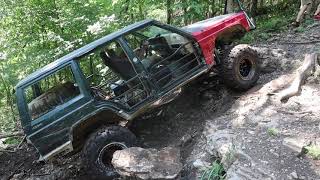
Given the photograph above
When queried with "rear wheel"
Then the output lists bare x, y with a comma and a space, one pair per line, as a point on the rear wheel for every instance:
99, 148
240, 68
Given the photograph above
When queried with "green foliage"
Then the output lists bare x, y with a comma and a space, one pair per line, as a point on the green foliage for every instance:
12, 140
300, 29
313, 151
34, 33
273, 131
215, 172
7, 122
272, 19
265, 28
274, 24
230, 155
304, 24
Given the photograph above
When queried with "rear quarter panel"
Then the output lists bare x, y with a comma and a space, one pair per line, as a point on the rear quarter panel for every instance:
55, 134
206, 37
51, 130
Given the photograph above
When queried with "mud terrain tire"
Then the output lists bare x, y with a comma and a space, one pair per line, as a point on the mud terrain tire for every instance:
98, 150
240, 67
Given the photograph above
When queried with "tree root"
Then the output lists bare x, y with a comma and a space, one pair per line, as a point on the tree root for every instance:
302, 42
302, 73
288, 85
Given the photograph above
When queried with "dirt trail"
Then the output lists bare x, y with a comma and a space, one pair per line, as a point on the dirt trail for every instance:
207, 107
259, 137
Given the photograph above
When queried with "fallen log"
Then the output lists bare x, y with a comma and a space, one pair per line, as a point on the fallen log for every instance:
14, 134
300, 76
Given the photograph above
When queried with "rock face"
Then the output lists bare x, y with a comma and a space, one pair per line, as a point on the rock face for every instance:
259, 137
237, 163
142, 163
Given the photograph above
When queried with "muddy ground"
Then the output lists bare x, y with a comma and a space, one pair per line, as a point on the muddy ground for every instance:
207, 106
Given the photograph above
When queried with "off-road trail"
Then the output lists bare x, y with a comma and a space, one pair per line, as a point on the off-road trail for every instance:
253, 134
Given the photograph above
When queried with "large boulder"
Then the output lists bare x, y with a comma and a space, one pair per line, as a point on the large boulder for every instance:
142, 163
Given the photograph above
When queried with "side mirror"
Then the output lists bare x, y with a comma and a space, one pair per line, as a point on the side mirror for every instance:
13, 91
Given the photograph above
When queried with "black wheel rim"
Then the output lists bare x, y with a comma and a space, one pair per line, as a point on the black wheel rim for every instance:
246, 69
106, 153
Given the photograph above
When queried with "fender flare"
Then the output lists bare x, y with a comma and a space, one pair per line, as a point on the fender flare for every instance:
101, 117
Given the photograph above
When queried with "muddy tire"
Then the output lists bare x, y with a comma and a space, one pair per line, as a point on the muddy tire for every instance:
240, 68
99, 148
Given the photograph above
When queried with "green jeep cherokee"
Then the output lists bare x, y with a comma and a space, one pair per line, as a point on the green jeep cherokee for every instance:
84, 100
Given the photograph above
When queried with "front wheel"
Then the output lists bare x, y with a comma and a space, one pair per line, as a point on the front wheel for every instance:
99, 148
240, 68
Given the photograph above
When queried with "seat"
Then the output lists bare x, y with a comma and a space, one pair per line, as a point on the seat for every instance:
160, 44
121, 66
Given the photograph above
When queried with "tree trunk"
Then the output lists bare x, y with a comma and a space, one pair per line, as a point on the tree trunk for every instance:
9, 96
229, 6
261, 4
141, 13
125, 9
169, 12
185, 16
253, 8
213, 11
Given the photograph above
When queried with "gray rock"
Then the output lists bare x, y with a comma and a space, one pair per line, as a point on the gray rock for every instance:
295, 143
17, 176
199, 164
294, 175
185, 139
142, 163
238, 171
33, 178
245, 169
238, 164
220, 144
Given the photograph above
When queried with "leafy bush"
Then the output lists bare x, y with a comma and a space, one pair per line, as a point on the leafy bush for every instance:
12, 140
273, 131
273, 24
215, 172
313, 151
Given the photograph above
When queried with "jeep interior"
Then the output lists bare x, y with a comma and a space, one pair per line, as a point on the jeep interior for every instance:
165, 55
114, 71
112, 76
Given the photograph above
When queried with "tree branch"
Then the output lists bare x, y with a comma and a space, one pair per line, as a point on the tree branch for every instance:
14, 134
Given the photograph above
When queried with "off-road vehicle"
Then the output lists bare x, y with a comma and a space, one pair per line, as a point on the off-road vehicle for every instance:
84, 100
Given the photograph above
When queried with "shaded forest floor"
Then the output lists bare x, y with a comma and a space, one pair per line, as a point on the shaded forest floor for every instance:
271, 134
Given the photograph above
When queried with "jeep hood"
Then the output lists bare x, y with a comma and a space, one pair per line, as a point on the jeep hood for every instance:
203, 25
